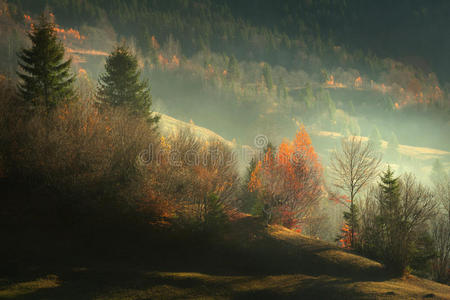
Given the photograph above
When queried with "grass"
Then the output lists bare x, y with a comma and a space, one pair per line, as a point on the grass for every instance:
248, 262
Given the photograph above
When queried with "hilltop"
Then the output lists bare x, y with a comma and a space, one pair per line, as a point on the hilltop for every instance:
249, 261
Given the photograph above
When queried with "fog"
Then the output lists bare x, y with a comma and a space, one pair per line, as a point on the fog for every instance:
404, 101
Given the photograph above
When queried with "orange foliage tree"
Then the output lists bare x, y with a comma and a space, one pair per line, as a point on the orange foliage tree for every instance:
289, 182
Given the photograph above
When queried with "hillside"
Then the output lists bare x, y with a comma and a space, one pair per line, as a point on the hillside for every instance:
325, 141
249, 262
202, 149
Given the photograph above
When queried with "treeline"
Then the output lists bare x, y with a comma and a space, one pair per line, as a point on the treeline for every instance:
284, 33
99, 163
292, 78
394, 219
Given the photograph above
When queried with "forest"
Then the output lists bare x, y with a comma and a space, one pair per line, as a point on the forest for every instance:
218, 149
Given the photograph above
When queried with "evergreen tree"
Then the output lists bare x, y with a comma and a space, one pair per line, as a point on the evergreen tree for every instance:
389, 202
404, 209
249, 198
282, 90
46, 79
233, 69
215, 218
390, 206
323, 76
267, 73
306, 95
121, 84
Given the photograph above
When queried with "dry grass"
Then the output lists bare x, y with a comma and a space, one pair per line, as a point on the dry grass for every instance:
305, 268
422, 153
21, 289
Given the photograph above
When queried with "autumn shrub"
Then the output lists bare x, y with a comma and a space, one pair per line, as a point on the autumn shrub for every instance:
193, 182
76, 161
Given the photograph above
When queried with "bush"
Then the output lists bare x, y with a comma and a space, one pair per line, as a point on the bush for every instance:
75, 160
191, 181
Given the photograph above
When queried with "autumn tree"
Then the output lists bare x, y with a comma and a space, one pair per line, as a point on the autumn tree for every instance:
121, 85
45, 76
352, 168
289, 181
441, 232
195, 180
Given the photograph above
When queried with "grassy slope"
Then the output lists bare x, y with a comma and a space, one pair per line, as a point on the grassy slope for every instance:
250, 262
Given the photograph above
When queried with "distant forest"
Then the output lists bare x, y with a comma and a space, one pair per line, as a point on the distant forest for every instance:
278, 32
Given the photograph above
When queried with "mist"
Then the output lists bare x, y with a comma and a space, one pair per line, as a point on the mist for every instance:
255, 81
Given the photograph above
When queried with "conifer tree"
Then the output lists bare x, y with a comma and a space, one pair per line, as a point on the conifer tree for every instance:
306, 96
121, 85
46, 79
233, 69
389, 201
267, 73
390, 188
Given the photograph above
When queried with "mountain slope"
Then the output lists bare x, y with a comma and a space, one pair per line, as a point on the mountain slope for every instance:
250, 262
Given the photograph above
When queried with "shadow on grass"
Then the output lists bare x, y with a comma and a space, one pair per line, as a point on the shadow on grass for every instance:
247, 262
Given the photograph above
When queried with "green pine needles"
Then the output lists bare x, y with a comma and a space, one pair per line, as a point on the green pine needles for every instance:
121, 85
46, 79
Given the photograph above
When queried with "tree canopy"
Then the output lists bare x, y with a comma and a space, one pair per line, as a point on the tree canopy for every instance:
121, 84
45, 77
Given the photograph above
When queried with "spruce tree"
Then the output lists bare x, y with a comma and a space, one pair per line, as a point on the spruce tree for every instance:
46, 79
249, 198
390, 189
389, 219
121, 85
233, 69
267, 73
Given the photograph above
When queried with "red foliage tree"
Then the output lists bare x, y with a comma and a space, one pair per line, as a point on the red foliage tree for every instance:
290, 181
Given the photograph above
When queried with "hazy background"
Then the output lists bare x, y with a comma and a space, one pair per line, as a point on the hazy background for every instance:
242, 69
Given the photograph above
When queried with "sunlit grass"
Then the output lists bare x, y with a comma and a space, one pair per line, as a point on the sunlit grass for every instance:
320, 271
14, 290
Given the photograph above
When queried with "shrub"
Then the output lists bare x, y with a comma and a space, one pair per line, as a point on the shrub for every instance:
192, 180
75, 160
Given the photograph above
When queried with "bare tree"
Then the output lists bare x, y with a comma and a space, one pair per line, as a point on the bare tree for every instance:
352, 168
441, 232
